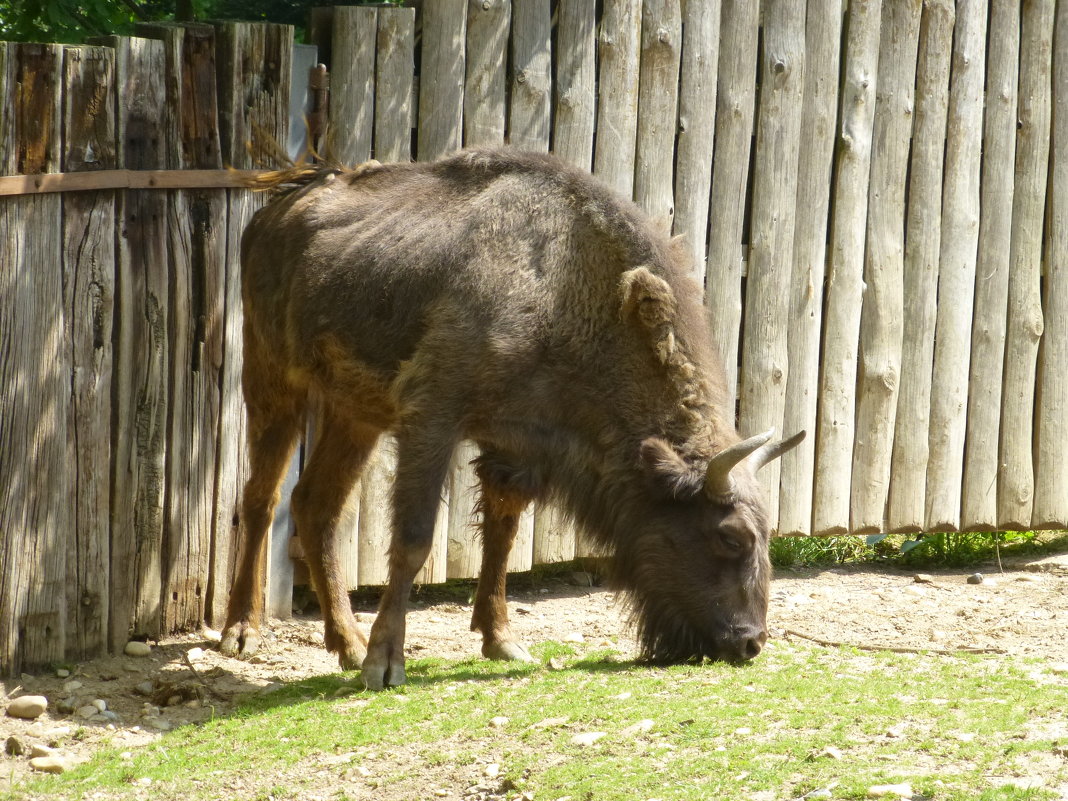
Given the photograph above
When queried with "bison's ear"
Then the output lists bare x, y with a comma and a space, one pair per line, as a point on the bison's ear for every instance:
669, 471
648, 296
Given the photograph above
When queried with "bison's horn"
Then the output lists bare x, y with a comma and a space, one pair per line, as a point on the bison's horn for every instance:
773, 450
718, 479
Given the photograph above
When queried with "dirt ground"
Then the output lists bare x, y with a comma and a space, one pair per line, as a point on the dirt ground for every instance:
184, 680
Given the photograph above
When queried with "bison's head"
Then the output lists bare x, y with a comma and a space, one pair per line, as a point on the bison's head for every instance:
696, 562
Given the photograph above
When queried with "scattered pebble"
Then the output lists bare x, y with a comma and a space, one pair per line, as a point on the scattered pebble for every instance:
975, 578
195, 654
62, 673
1029, 579
550, 723
641, 727
137, 648
71, 686
903, 790
27, 707
498, 722
49, 764
492, 770
14, 746
211, 635
100, 704
823, 792
38, 750
831, 752
145, 688
587, 738
574, 637
923, 578
87, 711
557, 663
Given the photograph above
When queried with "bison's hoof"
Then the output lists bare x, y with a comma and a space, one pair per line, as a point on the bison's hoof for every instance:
379, 676
351, 658
507, 650
240, 640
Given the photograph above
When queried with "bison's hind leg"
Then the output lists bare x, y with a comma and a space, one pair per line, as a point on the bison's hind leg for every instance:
275, 419
340, 450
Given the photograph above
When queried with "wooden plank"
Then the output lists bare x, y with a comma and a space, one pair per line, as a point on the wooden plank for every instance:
576, 65
124, 179
835, 427
697, 120
1024, 325
765, 359
36, 481
487, 57
254, 66
531, 75
441, 79
141, 353
882, 316
1051, 424
956, 269
352, 84
658, 96
906, 505
979, 508
617, 94
823, 35
375, 512
89, 288
463, 552
393, 87
735, 108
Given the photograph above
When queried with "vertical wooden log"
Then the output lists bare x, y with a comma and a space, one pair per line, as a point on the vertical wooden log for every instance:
531, 75
819, 112
36, 481
735, 106
658, 95
617, 94
908, 476
376, 512
393, 85
141, 356
254, 68
441, 79
765, 359
834, 447
487, 58
979, 508
697, 120
881, 322
352, 84
89, 285
1051, 424
1016, 482
575, 85
956, 269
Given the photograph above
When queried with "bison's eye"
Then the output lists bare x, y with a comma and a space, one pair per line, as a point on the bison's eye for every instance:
732, 543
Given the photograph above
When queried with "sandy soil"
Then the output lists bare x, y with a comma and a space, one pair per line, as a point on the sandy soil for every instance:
1020, 612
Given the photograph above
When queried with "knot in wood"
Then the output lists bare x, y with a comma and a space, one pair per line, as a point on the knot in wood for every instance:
487, 5
663, 35
778, 66
521, 76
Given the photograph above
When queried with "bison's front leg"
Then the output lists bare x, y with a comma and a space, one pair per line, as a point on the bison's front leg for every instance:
422, 463
504, 496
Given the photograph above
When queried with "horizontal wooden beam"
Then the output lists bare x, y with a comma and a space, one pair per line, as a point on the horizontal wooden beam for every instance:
125, 179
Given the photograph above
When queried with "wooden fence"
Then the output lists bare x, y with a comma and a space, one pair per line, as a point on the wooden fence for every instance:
878, 220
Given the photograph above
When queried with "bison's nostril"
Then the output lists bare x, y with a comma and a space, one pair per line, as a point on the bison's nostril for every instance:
751, 647
750, 641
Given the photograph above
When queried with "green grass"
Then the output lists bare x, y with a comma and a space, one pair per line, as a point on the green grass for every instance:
945, 724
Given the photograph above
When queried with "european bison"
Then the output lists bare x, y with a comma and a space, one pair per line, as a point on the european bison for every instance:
510, 299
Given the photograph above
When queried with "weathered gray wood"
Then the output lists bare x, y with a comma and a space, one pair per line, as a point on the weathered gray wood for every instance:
36, 480
956, 269
658, 91
1024, 324
979, 510
487, 59
765, 359
575, 85
735, 105
393, 86
254, 66
352, 84
89, 287
881, 322
697, 120
463, 553
1051, 423
441, 79
908, 477
141, 355
617, 94
531, 75
834, 448
823, 34
375, 512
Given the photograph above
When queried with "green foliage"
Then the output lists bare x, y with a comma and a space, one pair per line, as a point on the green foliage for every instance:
64, 20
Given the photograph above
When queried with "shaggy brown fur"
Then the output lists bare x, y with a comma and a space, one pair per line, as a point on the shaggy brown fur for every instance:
503, 297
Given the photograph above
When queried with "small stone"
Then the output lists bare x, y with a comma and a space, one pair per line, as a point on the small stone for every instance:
159, 724
109, 715
498, 722
574, 637
831, 752
38, 750
587, 738
86, 712
137, 648
49, 764
923, 578
211, 635
557, 663
823, 792
195, 654
100, 704
915, 592
550, 723
744, 730
62, 673
71, 686
975, 578
14, 746
1029, 578
903, 790
641, 727
145, 688
492, 770
442, 793
27, 707
580, 578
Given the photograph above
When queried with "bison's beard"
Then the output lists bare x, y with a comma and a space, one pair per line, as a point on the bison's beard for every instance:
666, 637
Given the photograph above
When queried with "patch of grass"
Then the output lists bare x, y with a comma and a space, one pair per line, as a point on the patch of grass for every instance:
946, 724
